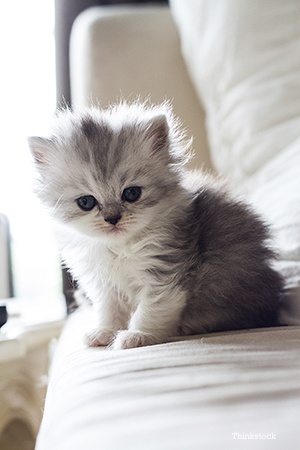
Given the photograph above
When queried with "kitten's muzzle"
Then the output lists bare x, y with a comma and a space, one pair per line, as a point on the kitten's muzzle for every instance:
113, 219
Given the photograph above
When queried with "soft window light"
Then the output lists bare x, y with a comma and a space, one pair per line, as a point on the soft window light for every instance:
27, 105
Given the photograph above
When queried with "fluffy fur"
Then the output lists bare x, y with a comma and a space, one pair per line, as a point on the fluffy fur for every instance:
162, 251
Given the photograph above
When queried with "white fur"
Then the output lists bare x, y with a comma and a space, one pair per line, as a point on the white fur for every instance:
130, 307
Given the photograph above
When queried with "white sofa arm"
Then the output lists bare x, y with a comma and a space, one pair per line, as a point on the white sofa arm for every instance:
134, 51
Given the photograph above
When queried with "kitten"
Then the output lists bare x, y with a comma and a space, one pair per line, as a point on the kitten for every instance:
158, 251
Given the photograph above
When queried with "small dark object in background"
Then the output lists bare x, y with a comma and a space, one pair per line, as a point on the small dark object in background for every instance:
3, 315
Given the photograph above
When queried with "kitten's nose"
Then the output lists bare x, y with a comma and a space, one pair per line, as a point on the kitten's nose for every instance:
113, 220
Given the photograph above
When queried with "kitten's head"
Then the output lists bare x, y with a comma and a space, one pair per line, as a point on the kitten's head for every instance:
110, 173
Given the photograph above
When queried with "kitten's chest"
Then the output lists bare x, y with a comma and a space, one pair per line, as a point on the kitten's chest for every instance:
127, 268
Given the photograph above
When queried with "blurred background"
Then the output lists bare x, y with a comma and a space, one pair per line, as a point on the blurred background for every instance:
28, 100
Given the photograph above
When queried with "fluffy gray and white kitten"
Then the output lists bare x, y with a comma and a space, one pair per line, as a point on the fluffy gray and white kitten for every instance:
158, 251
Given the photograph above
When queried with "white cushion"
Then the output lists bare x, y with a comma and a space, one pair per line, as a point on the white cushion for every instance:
244, 59
186, 394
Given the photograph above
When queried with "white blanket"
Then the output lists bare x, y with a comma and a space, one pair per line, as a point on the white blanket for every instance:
217, 391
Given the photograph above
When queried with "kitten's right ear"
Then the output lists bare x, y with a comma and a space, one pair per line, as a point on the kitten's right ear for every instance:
41, 149
158, 132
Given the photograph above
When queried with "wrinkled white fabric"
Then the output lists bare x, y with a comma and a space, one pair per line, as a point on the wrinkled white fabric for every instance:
186, 394
244, 59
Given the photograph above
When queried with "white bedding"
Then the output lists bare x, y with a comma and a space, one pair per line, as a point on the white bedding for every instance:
187, 394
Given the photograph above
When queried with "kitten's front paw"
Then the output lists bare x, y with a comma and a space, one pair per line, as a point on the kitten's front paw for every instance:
98, 337
132, 339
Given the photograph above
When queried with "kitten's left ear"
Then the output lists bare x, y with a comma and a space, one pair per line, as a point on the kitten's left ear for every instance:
158, 132
41, 149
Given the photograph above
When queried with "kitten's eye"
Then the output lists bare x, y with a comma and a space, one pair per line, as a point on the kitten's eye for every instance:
131, 194
87, 202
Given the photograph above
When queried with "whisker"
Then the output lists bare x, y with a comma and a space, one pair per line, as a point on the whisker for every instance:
39, 188
57, 205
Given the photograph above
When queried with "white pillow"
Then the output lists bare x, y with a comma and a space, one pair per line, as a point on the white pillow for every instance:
244, 59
